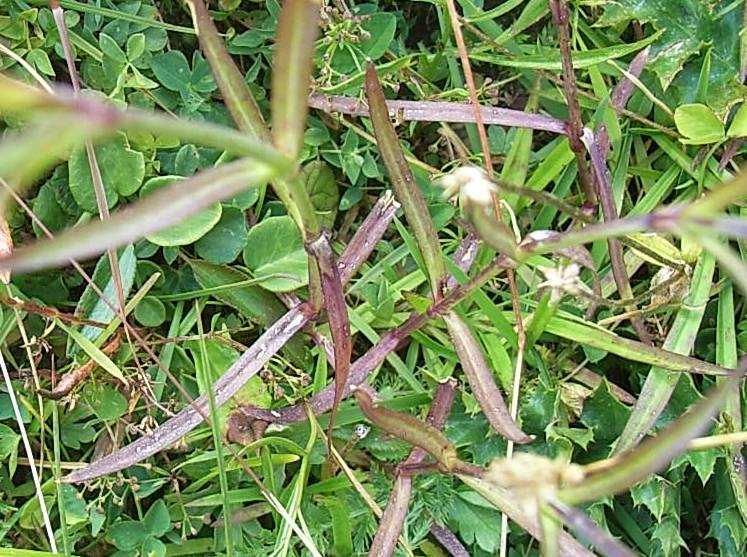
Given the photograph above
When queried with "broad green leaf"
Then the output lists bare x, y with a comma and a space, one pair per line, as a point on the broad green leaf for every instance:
91, 306
190, 229
275, 253
156, 521
122, 171
698, 124
150, 312
250, 300
106, 402
75, 506
381, 27
226, 240
9, 441
321, 185
172, 70
474, 519
135, 46
127, 535
738, 127
604, 414
678, 54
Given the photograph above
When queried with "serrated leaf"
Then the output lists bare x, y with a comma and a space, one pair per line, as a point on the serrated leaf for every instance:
667, 534
655, 494
604, 414
677, 56
475, 523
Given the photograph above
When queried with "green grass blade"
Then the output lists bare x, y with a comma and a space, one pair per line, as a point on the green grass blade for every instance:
587, 334
93, 352
298, 27
236, 94
215, 427
726, 355
660, 383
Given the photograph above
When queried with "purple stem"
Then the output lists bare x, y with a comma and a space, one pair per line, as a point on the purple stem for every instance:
449, 541
363, 366
441, 111
391, 522
575, 126
598, 148
250, 363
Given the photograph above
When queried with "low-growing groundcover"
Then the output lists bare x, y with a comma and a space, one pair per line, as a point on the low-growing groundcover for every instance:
511, 341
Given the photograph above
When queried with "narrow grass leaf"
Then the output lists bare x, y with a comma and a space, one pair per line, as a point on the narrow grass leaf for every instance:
236, 94
481, 380
403, 182
94, 353
596, 337
660, 383
298, 27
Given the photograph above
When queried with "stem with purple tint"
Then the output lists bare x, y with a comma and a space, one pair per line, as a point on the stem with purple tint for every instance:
394, 515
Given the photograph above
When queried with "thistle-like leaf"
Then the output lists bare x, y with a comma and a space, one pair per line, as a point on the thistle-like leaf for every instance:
655, 453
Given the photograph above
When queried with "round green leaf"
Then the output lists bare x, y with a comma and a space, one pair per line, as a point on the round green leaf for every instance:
224, 242
122, 171
274, 251
127, 535
106, 402
150, 312
190, 229
698, 124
